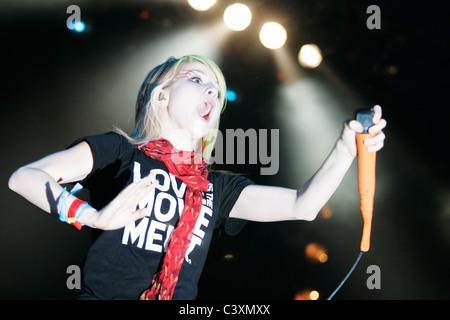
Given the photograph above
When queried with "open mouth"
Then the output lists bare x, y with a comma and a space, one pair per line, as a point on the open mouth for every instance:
205, 110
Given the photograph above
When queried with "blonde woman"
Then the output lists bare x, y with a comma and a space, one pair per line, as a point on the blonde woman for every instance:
151, 193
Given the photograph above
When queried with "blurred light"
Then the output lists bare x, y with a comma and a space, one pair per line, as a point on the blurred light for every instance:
310, 56
392, 70
237, 17
326, 212
316, 253
79, 26
201, 5
314, 295
231, 95
281, 76
273, 35
229, 257
307, 295
145, 14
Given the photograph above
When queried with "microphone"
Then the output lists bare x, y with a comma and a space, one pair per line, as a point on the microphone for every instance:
366, 185
366, 176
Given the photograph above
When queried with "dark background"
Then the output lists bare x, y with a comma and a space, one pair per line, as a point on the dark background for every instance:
58, 85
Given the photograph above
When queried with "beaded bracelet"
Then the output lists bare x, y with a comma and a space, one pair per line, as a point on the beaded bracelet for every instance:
75, 210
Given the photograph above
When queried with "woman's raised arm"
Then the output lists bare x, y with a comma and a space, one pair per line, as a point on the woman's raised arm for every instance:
265, 203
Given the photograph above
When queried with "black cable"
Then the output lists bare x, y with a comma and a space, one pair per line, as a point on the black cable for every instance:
348, 275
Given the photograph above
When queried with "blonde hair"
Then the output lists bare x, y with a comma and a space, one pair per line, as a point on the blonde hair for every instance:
147, 126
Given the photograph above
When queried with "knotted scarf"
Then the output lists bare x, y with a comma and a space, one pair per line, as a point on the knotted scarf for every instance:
190, 169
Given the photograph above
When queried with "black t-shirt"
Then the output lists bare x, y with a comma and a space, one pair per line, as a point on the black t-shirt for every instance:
121, 263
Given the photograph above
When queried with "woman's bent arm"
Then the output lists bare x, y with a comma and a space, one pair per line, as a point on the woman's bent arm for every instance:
39, 182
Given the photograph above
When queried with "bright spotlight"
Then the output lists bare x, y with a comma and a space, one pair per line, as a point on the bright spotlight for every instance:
237, 17
310, 56
201, 5
273, 35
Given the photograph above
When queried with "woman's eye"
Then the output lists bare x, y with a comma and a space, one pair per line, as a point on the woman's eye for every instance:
196, 80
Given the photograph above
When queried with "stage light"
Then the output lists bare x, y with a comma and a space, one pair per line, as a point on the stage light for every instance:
314, 295
307, 294
310, 56
145, 14
231, 95
326, 212
273, 35
77, 26
229, 257
201, 5
80, 26
237, 17
316, 253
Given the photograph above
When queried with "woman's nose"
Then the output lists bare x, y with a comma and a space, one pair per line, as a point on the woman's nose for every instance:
212, 92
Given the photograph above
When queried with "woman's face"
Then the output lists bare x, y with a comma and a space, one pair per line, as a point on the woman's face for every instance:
192, 105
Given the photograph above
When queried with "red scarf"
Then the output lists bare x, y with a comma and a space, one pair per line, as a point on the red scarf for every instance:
192, 171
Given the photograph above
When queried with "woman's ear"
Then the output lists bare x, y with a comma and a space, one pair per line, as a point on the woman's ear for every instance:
163, 99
